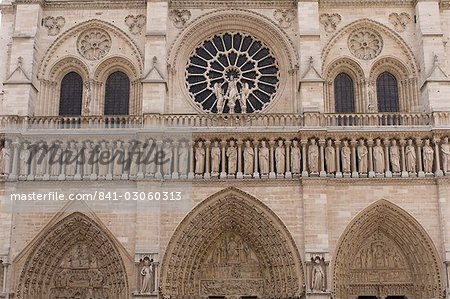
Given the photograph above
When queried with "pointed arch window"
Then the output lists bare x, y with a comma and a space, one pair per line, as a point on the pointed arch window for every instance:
344, 94
387, 93
117, 94
71, 95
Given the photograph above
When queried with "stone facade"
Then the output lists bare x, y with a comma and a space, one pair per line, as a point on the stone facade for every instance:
267, 189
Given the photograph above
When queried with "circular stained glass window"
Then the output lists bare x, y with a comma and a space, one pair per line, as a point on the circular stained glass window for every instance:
232, 73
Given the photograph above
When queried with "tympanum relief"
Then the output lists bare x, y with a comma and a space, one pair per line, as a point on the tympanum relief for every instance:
231, 268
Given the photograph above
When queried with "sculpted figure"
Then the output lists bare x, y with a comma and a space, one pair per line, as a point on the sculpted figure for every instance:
232, 94
218, 92
263, 158
445, 150
4, 159
102, 163
232, 157
428, 157
244, 97
199, 158
394, 152
118, 159
362, 153
146, 276
87, 164
280, 157
378, 157
410, 154
295, 157
249, 156
41, 160
168, 157
317, 276
330, 157
313, 156
345, 154
215, 157
183, 154
24, 157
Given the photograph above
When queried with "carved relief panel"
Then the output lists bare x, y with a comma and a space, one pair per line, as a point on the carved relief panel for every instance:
231, 268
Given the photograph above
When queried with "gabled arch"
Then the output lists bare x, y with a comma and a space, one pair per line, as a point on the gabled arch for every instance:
66, 65
232, 211
410, 58
417, 265
78, 247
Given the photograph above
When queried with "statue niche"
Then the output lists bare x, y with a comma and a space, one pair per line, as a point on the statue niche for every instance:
380, 260
80, 276
231, 267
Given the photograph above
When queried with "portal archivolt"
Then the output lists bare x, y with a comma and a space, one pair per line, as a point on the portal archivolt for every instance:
385, 252
231, 244
75, 259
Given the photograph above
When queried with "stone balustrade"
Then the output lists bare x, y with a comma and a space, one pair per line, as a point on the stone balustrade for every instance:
227, 156
307, 119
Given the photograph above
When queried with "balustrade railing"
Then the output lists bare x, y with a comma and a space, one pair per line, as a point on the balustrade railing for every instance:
307, 119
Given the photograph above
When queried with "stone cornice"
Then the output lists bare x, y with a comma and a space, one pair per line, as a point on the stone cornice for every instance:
121, 4
365, 3
232, 3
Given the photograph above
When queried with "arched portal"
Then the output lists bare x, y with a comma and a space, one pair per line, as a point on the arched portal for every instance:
75, 259
385, 252
231, 244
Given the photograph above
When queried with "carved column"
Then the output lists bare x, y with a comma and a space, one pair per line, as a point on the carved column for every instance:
207, 174
191, 174
337, 144
420, 172
323, 173
255, 166
175, 174
287, 145
387, 143
239, 174
223, 174
272, 174
403, 158
304, 142
370, 146
353, 144
438, 171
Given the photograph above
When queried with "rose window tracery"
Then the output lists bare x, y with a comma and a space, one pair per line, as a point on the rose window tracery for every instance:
365, 43
94, 44
232, 73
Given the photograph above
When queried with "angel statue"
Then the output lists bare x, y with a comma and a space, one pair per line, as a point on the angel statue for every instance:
245, 92
147, 276
218, 92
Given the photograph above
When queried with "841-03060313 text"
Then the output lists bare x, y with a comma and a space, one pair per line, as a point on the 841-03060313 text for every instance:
99, 195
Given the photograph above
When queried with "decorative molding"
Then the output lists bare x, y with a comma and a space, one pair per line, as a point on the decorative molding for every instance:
102, 5
179, 17
330, 21
94, 44
365, 43
54, 24
365, 3
399, 21
135, 23
280, 4
284, 17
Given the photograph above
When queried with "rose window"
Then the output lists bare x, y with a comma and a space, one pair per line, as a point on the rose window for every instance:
365, 43
94, 44
232, 73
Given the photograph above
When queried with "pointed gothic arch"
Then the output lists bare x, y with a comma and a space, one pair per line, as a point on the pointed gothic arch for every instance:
73, 256
268, 266
384, 252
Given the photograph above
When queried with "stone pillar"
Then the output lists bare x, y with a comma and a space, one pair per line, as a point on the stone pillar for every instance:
438, 171
323, 173
370, 146
272, 174
239, 174
353, 144
388, 172
420, 172
207, 159
255, 166
288, 173
304, 142
223, 174
191, 173
175, 174
337, 144
403, 158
